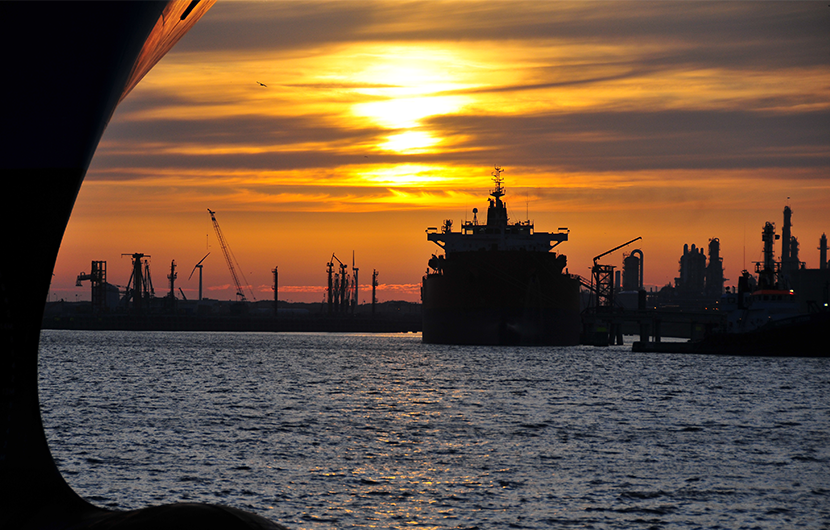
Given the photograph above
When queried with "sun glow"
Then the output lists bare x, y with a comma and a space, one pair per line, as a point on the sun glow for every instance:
343, 125
409, 141
407, 112
406, 85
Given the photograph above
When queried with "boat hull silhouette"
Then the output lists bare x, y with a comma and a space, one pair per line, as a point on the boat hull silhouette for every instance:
498, 283
66, 67
501, 298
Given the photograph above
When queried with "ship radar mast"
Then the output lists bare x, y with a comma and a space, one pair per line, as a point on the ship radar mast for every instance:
498, 233
498, 179
497, 212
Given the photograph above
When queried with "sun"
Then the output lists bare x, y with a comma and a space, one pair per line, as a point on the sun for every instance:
405, 113
410, 141
407, 85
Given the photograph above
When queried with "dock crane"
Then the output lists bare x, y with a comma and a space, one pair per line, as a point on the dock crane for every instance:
98, 279
338, 285
229, 259
601, 328
602, 276
140, 286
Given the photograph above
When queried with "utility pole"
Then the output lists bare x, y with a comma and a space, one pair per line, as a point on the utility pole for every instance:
276, 292
356, 288
374, 289
172, 277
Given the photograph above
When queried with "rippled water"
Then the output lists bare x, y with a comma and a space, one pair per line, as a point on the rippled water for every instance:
325, 431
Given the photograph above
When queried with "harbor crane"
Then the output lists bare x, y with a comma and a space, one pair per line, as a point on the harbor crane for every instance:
604, 330
338, 284
602, 276
230, 260
140, 286
98, 279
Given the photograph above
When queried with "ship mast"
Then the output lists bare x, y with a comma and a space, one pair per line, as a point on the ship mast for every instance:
498, 192
497, 212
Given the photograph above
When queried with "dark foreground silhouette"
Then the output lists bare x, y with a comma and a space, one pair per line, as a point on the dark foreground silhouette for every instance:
66, 66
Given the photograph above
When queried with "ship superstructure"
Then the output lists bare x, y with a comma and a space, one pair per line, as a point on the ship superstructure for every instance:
499, 283
497, 233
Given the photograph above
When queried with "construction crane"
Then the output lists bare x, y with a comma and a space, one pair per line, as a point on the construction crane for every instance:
230, 260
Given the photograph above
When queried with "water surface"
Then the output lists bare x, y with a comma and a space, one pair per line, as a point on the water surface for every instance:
325, 431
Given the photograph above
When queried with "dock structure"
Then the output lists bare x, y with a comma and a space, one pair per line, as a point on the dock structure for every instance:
603, 328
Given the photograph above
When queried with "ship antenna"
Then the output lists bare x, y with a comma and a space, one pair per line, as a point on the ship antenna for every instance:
498, 179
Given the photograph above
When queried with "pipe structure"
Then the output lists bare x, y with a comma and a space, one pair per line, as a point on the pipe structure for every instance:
640, 252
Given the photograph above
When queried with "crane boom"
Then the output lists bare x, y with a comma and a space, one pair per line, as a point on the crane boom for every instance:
228, 256
616, 248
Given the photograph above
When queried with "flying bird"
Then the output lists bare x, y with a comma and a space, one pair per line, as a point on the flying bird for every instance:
262, 84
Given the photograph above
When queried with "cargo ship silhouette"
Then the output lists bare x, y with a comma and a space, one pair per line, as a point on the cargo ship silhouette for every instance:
498, 283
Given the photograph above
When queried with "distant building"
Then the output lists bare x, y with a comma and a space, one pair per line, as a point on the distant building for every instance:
700, 284
713, 285
692, 277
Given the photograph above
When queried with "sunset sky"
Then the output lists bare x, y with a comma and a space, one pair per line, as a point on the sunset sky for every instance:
675, 121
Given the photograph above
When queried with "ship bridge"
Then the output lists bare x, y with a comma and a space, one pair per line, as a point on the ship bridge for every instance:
497, 234
518, 236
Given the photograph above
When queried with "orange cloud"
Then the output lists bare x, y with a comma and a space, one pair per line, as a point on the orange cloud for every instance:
381, 119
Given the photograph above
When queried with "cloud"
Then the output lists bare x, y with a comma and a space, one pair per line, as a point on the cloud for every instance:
566, 88
730, 34
593, 108
571, 142
643, 140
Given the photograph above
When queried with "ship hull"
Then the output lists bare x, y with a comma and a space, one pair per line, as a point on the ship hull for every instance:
501, 298
67, 66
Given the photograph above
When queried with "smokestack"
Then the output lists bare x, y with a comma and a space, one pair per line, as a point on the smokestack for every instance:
822, 247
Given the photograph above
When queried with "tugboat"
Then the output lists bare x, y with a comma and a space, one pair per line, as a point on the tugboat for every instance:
766, 322
498, 283
767, 319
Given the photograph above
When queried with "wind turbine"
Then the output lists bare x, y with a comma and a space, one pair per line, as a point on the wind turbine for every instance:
199, 266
